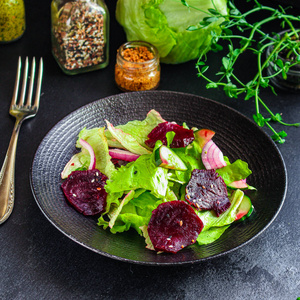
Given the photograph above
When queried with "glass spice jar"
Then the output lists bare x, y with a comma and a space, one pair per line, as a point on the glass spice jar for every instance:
137, 67
292, 80
12, 20
80, 35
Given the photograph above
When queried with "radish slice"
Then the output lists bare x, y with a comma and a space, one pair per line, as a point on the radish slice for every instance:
239, 184
89, 148
212, 156
202, 136
123, 155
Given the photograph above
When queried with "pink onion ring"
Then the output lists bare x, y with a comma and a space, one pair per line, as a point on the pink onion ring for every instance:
123, 155
212, 156
89, 148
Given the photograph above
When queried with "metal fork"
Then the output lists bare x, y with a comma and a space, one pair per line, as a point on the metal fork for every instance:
20, 111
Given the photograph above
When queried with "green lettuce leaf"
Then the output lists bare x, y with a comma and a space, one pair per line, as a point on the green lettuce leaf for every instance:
209, 218
138, 129
210, 235
127, 140
80, 161
145, 234
235, 171
164, 23
140, 174
133, 211
113, 215
192, 159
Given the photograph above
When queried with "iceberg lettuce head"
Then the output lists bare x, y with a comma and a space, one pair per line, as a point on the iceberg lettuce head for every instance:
164, 23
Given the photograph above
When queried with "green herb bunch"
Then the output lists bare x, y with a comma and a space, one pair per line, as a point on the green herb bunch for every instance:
251, 37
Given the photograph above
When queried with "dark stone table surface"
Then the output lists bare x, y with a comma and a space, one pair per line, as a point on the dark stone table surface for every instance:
39, 262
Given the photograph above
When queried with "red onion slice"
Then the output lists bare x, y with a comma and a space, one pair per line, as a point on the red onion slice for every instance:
212, 156
123, 155
89, 148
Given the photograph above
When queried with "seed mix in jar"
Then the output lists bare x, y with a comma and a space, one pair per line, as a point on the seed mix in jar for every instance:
80, 36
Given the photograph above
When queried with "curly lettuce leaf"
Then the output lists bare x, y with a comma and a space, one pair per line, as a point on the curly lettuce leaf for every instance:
140, 174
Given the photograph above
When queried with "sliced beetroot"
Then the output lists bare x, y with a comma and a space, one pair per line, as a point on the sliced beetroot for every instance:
182, 138
85, 191
173, 226
207, 190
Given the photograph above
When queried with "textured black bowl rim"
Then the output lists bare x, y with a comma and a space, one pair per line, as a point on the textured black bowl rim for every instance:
164, 263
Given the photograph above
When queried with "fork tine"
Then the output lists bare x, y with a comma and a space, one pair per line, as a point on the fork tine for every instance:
32, 74
39, 84
16, 88
24, 84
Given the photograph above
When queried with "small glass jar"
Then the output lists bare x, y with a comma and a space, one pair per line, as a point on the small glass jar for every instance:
12, 20
80, 35
137, 67
292, 80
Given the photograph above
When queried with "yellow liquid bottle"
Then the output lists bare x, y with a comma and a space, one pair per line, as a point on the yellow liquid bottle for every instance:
12, 20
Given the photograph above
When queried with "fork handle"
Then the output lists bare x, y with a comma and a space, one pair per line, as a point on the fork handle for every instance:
7, 176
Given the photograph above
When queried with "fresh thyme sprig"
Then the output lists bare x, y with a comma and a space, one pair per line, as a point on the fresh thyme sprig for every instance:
251, 38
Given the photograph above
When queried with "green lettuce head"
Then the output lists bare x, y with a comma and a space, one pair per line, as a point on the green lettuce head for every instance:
164, 23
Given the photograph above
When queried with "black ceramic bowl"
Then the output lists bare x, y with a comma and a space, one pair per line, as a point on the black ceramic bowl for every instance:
236, 135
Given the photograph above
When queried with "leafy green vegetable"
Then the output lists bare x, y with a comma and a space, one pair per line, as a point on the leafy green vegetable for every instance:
148, 241
210, 235
127, 140
191, 156
163, 23
134, 190
133, 211
126, 219
210, 220
139, 130
80, 161
141, 173
116, 212
235, 171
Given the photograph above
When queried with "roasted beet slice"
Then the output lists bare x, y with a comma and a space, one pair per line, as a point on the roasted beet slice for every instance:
173, 226
207, 190
182, 138
85, 191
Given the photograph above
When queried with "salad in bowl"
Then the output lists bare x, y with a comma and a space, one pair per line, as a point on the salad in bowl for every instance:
168, 182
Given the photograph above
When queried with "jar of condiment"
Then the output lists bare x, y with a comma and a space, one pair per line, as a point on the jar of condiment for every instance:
137, 67
12, 20
80, 35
